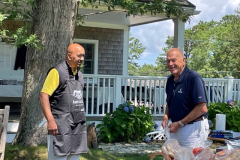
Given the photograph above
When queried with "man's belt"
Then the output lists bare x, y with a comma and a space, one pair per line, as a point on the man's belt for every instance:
198, 119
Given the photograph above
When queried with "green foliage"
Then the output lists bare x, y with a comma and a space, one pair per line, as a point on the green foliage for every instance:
128, 123
20, 37
211, 47
23, 11
133, 7
3, 32
20, 11
161, 63
135, 50
133, 70
232, 114
148, 70
17, 10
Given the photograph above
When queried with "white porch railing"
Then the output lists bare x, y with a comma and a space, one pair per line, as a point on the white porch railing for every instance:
103, 93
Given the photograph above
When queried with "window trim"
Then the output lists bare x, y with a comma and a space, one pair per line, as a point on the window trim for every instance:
95, 42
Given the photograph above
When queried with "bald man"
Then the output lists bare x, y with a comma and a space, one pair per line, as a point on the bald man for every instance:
186, 102
61, 100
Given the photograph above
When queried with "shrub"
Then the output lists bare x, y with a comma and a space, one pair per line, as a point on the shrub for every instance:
232, 111
127, 124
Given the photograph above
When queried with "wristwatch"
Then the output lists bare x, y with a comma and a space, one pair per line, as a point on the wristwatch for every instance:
181, 123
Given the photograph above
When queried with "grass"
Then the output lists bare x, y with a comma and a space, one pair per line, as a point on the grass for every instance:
15, 152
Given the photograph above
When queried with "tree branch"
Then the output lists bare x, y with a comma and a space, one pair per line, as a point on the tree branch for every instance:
10, 7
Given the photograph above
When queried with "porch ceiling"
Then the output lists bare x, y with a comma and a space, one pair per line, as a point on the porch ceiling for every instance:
120, 18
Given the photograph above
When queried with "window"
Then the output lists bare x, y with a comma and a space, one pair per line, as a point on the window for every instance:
91, 55
7, 63
88, 65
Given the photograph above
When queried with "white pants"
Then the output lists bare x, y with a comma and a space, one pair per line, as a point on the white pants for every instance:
51, 155
192, 135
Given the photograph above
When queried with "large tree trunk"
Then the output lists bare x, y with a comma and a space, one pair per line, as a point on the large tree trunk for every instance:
53, 23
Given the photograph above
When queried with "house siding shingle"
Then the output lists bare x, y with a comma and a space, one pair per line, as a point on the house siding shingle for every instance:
110, 51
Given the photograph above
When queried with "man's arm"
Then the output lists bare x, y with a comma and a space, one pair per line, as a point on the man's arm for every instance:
199, 98
45, 104
165, 118
199, 109
50, 85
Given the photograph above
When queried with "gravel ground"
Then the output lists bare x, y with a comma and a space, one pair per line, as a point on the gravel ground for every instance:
140, 148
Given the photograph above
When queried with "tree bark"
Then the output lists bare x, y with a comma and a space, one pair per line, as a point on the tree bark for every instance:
54, 24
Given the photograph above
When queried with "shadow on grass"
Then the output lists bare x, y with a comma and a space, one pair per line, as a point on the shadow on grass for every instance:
17, 152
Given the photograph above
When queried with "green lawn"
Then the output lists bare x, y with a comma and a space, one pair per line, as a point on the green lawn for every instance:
15, 152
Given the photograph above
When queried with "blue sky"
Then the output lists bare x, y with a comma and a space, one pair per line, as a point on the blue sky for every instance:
154, 35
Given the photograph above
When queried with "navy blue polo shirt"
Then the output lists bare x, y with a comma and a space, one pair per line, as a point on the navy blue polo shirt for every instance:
184, 94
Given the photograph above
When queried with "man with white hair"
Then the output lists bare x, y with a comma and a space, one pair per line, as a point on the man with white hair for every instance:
186, 102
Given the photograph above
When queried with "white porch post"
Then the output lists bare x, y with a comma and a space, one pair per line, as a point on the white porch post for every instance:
117, 93
125, 51
229, 88
179, 29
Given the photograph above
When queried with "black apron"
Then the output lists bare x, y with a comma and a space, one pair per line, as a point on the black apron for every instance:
69, 115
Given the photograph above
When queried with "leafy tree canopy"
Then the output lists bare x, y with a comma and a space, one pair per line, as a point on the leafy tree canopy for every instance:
211, 47
135, 50
21, 10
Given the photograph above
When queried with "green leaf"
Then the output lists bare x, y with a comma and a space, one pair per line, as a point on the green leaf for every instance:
124, 126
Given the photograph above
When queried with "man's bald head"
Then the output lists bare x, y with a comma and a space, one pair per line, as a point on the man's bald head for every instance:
75, 55
73, 47
176, 51
175, 62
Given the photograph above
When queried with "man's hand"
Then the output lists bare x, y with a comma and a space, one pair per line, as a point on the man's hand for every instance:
173, 127
45, 104
165, 121
52, 128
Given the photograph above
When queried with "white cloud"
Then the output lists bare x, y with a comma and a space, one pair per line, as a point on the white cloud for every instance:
214, 9
153, 36
145, 54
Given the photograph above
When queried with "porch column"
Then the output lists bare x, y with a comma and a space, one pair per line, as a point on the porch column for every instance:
118, 93
125, 51
229, 88
179, 29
